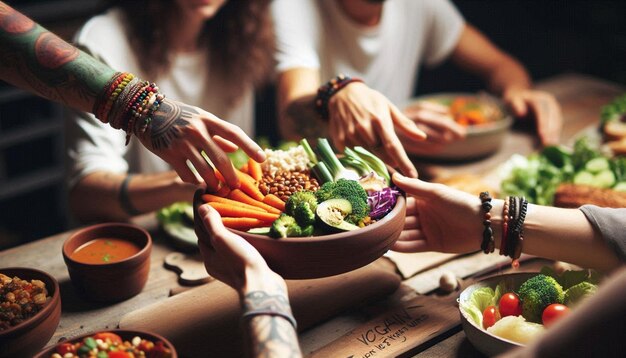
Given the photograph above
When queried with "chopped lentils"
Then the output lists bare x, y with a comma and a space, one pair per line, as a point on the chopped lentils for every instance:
20, 300
285, 183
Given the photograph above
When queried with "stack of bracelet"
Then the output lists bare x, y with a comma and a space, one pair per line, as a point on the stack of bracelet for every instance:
513, 216
326, 91
126, 101
488, 243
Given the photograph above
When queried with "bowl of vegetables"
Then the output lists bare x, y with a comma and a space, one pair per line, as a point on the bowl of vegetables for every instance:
484, 116
507, 311
30, 310
112, 343
314, 213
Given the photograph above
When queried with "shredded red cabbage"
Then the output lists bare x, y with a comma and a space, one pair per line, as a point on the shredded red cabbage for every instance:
381, 202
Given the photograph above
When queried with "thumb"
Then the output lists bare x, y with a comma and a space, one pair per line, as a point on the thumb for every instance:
518, 106
412, 186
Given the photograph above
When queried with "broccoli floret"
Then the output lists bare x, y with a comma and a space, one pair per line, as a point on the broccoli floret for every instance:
536, 294
285, 226
350, 190
298, 198
579, 292
307, 230
304, 214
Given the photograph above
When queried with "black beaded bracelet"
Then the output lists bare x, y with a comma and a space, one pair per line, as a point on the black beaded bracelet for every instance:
326, 91
488, 243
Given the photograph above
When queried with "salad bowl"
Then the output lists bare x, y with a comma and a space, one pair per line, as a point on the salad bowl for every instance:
481, 140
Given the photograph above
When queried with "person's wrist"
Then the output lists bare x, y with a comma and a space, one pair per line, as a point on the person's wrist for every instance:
261, 278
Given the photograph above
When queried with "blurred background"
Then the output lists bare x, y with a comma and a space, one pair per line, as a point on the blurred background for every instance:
548, 37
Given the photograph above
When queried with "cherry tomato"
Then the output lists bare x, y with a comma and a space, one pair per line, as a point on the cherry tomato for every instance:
553, 313
64, 348
491, 315
114, 338
510, 305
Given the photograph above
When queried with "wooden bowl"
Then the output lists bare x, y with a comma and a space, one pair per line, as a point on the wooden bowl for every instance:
328, 255
125, 334
487, 343
115, 281
28, 337
481, 140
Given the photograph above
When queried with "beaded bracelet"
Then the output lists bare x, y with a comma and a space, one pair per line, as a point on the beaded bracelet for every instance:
326, 91
505, 226
488, 244
519, 229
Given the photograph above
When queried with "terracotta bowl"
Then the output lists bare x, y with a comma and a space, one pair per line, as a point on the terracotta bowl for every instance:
126, 335
110, 282
26, 338
487, 343
328, 255
480, 141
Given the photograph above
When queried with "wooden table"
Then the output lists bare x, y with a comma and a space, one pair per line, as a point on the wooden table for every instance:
581, 98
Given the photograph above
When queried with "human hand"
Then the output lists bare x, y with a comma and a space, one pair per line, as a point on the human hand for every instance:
227, 256
360, 115
179, 132
544, 107
438, 218
436, 121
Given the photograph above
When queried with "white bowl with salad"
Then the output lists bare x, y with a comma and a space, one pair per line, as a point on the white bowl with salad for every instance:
507, 311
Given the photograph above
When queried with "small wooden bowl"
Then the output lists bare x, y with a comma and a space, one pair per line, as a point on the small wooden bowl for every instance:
26, 338
125, 334
110, 282
328, 255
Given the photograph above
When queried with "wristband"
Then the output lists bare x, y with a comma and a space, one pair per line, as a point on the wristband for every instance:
127, 206
260, 303
328, 90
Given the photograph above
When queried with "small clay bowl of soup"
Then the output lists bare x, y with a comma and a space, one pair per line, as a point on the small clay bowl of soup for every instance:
108, 262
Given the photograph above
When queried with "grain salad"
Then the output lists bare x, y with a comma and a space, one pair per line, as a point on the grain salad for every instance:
293, 159
20, 300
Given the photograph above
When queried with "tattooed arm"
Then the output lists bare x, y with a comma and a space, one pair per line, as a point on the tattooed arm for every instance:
38, 61
232, 260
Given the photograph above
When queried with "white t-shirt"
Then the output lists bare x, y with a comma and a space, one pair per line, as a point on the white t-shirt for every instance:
93, 146
318, 34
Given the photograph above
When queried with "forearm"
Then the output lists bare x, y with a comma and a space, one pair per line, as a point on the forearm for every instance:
559, 234
269, 335
38, 61
296, 113
145, 192
508, 75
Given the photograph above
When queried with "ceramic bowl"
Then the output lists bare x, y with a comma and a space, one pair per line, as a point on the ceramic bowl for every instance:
126, 335
26, 338
328, 255
480, 141
115, 281
487, 343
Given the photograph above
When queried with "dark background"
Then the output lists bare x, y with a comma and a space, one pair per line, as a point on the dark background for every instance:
549, 37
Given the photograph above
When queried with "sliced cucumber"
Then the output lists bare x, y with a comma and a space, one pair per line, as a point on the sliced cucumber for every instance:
597, 165
584, 178
260, 230
605, 179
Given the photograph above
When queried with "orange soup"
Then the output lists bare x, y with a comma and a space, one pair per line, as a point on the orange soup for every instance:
104, 250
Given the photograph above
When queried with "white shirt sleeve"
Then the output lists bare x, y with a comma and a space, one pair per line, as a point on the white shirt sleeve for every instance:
297, 26
445, 25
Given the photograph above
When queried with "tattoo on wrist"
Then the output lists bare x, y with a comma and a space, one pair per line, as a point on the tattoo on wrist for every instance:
167, 123
271, 323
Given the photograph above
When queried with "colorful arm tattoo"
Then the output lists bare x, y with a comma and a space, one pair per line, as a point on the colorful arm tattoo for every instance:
37, 60
271, 325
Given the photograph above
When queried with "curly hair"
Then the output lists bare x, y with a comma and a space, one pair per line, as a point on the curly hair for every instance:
239, 38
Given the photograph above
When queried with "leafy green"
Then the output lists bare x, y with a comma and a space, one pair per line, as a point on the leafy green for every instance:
614, 110
480, 299
579, 292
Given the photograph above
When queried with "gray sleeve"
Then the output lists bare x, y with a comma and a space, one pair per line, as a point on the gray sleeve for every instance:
611, 223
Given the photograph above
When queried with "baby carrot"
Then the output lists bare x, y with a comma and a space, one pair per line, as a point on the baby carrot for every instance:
241, 196
255, 170
244, 224
249, 186
273, 200
241, 212
209, 198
